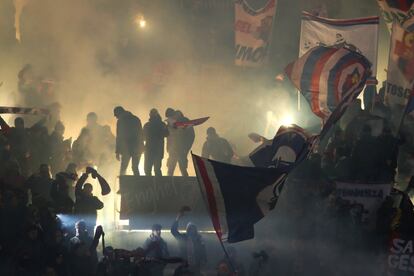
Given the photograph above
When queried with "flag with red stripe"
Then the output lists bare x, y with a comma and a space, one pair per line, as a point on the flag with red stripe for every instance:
328, 77
237, 197
191, 123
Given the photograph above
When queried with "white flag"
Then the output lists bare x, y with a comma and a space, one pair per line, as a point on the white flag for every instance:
360, 34
253, 33
400, 74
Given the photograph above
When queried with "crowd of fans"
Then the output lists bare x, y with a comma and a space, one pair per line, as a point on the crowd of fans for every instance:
364, 147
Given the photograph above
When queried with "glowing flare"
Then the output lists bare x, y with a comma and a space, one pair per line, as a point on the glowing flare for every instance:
141, 22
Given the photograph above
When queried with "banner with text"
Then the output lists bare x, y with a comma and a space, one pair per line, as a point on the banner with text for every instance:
400, 74
400, 259
364, 199
360, 34
253, 33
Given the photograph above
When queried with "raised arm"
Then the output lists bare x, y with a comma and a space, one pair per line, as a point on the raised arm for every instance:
105, 188
79, 184
175, 232
174, 227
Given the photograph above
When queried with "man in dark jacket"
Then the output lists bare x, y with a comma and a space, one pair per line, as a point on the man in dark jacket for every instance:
87, 205
217, 148
154, 133
40, 185
59, 193
128, 139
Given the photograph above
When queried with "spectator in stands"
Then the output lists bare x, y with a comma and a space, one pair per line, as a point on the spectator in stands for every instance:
40, 185
192, 245
19, 145
155, 247
87, 205
216, 147
58, 148
59, 193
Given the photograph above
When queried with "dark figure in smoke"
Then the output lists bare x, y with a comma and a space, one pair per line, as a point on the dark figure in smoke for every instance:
364, 156
179, 142
84, 258
40, 185
192, 246
217, 148
82, 155
101, 140
59, 193
388, 147
19, 145
39, 145
128, 139
154, 133
59, 148
156, 247
87, 204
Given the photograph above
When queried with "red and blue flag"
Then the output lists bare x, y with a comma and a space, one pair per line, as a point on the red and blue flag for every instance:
237, 197
328, 75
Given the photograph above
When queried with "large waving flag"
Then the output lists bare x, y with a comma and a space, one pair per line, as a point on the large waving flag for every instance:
236, 197
330, 78
359, 33
288, 147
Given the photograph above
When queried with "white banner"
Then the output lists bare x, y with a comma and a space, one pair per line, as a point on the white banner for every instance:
363, 198
360, 34
400, 74
253, 33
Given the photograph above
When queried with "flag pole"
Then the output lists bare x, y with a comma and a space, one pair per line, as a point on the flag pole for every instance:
232, 267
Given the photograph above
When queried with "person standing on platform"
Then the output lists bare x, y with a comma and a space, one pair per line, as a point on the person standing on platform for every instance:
217, 148
154, 133
179, 142
129, 140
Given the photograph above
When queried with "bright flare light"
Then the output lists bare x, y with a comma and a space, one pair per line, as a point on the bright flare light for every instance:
287, 120
141, 22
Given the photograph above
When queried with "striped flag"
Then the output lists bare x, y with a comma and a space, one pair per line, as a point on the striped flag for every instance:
236, 197
329, 77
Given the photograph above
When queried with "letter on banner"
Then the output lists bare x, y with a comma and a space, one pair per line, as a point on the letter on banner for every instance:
253, 31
